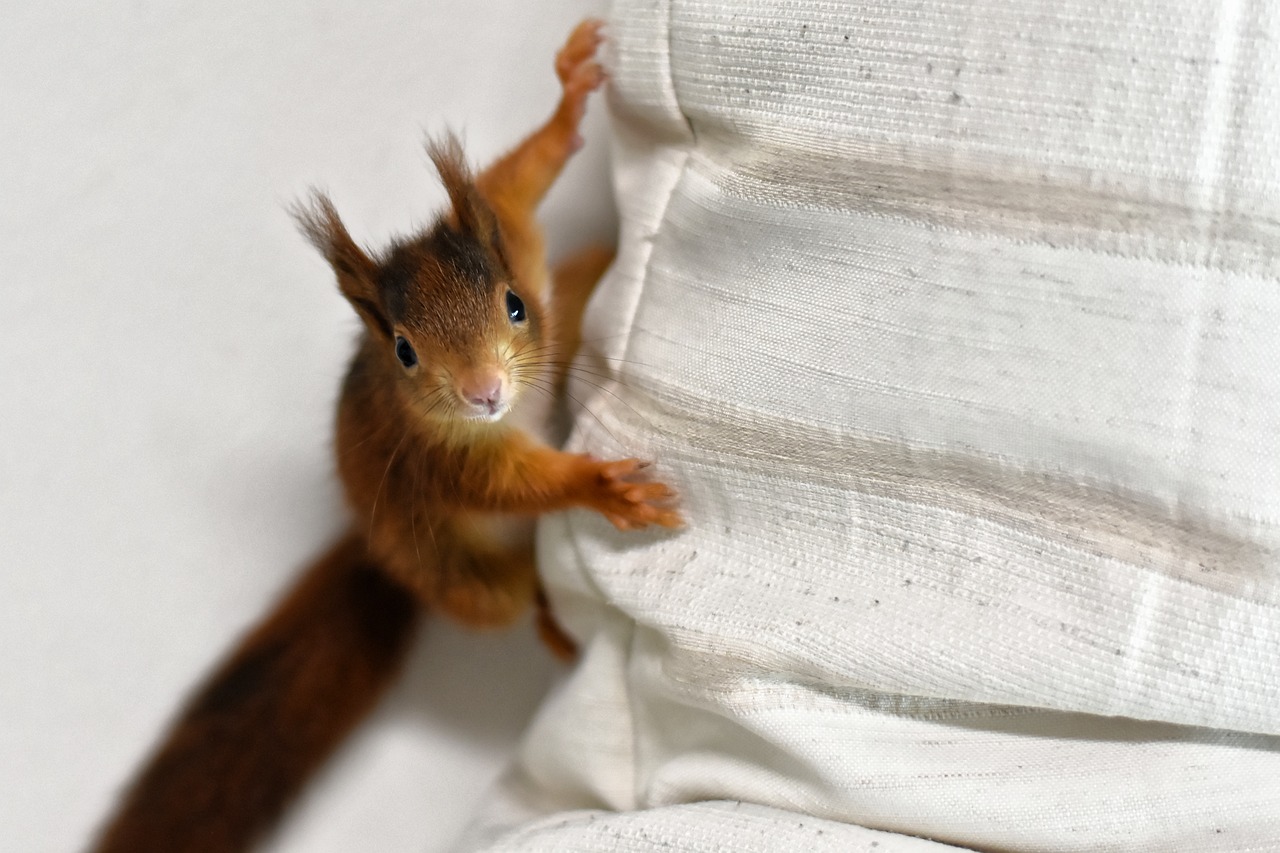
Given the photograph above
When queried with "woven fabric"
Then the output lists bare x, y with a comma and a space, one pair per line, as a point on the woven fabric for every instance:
955, 325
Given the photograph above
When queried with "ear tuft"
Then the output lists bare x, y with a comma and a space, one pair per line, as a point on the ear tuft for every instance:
357, 272
474, 216
321, 225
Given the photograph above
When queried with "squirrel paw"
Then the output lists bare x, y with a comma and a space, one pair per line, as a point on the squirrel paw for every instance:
579, 49
580, 75
632, 504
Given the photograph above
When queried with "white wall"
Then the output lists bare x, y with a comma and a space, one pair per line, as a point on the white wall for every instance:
169, 355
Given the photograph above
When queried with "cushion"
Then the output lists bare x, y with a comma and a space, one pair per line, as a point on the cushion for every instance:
953, 323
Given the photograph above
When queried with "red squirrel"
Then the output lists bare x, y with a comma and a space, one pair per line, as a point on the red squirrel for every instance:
464, 323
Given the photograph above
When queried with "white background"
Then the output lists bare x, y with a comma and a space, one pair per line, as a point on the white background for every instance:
170, 351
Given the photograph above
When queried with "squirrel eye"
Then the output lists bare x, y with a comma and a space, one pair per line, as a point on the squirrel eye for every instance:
404, 352
515, 308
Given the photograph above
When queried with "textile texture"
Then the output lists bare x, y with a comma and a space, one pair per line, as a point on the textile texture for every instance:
954, 323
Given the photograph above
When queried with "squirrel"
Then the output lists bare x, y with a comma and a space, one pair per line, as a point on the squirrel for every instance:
463, 322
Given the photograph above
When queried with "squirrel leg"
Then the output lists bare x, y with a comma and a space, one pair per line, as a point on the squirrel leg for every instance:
573, 280
531, 478
552, 635
517, 181
515, 184
488, 589
492, 589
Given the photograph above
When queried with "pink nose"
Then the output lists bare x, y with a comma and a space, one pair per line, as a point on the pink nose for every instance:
483, 392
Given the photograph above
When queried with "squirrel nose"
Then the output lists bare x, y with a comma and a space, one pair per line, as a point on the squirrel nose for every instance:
483, 392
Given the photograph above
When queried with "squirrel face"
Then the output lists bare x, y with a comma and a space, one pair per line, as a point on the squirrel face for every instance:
457, 332
464, 339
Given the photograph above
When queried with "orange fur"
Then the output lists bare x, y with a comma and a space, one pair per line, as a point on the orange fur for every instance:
441, 484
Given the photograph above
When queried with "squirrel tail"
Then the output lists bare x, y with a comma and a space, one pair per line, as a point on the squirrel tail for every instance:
272, 713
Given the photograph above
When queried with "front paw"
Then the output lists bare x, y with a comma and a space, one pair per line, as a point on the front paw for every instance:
579, 50
580, 75
631, 503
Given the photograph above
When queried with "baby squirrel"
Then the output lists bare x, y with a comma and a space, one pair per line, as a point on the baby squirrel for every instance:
463, 323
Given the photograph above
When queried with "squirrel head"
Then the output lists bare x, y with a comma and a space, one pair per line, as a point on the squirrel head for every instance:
443, 305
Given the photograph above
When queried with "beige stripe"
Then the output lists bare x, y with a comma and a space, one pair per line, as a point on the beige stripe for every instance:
1168, 221
1095, 518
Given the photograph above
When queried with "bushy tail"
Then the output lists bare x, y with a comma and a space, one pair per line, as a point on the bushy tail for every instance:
270, 715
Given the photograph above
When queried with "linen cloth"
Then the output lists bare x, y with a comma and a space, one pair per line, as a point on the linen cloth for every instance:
955, 324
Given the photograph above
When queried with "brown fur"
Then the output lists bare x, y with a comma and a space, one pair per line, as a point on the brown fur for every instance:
437, 483
271, 714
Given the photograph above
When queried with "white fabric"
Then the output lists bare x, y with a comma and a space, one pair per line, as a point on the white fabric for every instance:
954, 324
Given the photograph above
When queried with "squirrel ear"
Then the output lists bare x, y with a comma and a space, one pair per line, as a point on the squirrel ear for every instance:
474, 216
356, 271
